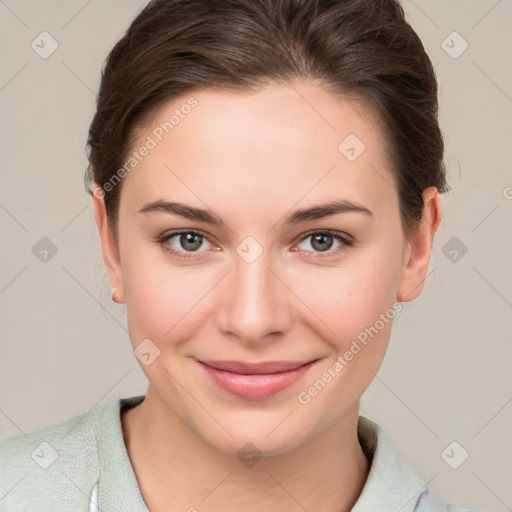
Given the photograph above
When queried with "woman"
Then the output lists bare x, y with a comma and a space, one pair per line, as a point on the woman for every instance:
294, 144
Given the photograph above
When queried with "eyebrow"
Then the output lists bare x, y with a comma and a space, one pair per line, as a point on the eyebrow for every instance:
312, 213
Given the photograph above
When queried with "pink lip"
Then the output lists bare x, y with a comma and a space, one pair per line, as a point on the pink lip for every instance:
258, 380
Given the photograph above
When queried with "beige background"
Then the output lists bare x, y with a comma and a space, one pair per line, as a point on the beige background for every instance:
65, 349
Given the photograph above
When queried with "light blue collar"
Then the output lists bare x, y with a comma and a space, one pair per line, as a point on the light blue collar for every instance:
392, 483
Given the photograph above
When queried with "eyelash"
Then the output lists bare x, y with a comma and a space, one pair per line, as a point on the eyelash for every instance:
346, 242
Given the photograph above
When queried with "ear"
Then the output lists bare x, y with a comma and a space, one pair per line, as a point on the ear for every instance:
418, 248
109, 247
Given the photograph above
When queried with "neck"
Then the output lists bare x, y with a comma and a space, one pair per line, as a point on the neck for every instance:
181, 471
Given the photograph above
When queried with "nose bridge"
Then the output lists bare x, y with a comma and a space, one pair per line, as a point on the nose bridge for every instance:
255, 303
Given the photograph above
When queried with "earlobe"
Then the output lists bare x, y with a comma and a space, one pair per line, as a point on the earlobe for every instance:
417, 255
109, 247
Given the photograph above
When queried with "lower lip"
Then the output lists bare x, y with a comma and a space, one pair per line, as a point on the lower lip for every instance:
256, 386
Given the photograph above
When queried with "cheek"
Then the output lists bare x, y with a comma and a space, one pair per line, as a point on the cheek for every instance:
356, 303
150, 296
352, 297
163, 300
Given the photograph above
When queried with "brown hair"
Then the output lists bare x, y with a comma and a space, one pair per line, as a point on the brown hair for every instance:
360, 48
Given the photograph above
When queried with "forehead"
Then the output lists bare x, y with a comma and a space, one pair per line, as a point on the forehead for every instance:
274, 146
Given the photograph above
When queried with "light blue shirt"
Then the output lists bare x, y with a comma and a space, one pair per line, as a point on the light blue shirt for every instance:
82, 465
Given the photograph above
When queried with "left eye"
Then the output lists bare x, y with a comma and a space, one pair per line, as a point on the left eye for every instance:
322, 241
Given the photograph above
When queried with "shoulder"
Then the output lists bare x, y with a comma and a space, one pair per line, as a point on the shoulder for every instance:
53, 468
392, 481
431, 502
451, 507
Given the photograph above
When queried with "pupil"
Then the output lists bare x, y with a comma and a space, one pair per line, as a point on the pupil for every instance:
188, 238
323, 237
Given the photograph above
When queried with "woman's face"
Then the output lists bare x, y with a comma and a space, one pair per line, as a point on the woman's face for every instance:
265, 283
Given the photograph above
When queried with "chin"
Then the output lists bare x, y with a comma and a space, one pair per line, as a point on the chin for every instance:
265, 438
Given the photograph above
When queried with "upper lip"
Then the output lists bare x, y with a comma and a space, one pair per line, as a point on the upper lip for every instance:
263, 367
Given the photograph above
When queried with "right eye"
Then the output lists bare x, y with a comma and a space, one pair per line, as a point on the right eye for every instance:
188, 242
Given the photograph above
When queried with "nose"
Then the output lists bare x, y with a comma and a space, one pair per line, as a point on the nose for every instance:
254, 307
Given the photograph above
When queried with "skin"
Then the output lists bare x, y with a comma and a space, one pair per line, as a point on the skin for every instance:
252, 159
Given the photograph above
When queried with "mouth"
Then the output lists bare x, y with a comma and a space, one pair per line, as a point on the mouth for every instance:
255, 380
